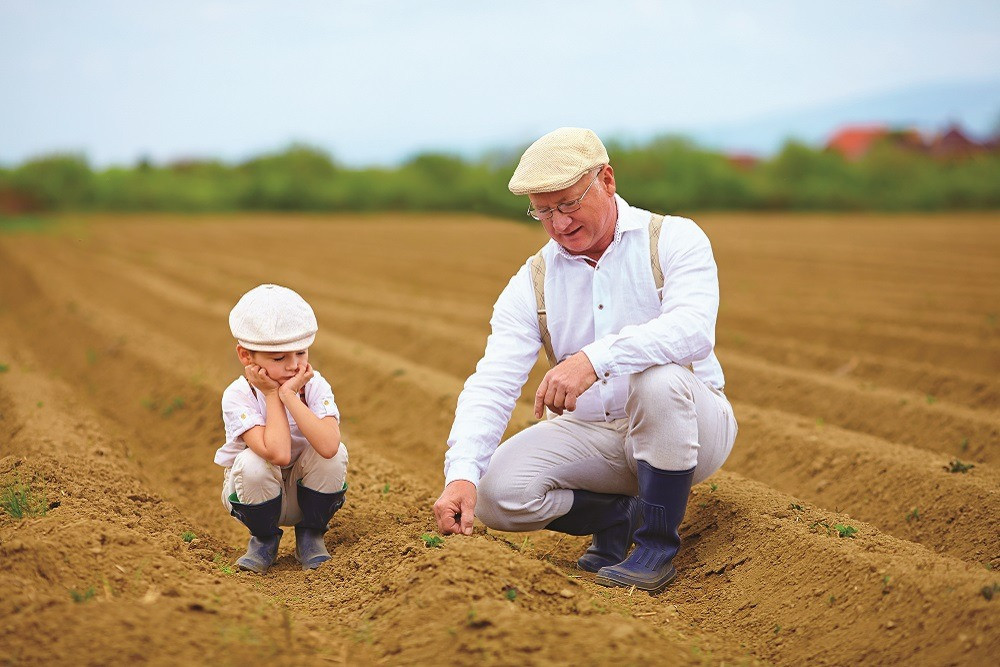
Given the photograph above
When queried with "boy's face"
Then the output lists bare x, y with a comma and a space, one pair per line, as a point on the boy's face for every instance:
280, 366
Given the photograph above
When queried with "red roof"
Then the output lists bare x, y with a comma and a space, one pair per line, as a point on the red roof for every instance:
853, 142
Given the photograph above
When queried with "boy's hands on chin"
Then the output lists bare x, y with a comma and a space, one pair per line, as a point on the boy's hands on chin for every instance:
292, 386
259, 379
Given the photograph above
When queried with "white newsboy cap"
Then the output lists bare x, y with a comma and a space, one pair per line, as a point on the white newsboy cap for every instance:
557, 161
272, 318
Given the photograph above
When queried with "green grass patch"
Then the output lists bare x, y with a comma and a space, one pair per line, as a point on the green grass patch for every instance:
957, 466
187, 536
19, 499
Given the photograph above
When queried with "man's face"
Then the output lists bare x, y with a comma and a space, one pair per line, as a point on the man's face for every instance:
590, 229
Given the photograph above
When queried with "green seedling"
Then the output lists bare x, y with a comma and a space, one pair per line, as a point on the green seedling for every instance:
398, 372
957, 466
845, 531
432, 541
510, 593
82, 597
187, 536
931, 399
385, 489
777, 628
175, 405
795, 506
885, 585
714, 487
223, 566
20, 500
149, 404
913, 515
39, 404
831, 600
965, 444
525, 545
819, 421
4, 368
989, 591
703, 505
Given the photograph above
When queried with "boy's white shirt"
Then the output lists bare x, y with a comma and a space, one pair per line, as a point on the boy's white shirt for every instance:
243, 408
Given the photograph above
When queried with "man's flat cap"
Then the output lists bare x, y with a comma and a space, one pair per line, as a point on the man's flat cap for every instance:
558, 160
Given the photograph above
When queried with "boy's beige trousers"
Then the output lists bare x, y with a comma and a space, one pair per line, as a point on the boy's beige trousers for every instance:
674, 422
254, 480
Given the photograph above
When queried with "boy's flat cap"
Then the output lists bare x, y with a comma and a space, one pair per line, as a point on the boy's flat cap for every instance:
557, 161
272, 318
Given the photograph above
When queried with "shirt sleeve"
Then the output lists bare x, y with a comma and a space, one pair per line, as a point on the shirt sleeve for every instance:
240, 413
319, 397
684, 331
487, 401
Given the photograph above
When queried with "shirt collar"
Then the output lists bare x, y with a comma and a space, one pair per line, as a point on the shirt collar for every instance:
629, 218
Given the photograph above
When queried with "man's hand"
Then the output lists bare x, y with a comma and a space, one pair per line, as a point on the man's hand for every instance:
259, 379
563, 384
292, 386
455, 509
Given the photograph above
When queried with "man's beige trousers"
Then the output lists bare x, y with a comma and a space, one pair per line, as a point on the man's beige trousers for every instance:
254, 480
674, 422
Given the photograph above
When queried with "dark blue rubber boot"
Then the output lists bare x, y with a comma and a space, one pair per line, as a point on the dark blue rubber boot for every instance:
663, 496
262, 520
317, 510
610, 518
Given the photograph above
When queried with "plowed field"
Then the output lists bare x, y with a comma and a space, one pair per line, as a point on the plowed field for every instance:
862, 356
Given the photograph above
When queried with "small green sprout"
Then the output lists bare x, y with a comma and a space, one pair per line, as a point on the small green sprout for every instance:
187, 536
223, 566
885, 585
20, 500
989, 591
432, 541
795, 506
175, 405
964, 444
913, 515
510, 593
4, 368
845, 531
777, 628
957, 466
831, 600
82, 597
385, 489
931, 399
714, 487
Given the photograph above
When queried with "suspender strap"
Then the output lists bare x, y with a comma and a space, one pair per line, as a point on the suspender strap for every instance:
538, 282
655, 225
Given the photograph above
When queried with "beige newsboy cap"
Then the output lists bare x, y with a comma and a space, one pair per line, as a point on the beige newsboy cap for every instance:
557, 161
272, 318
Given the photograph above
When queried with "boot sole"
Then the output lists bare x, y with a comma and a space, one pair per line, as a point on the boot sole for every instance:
651, 587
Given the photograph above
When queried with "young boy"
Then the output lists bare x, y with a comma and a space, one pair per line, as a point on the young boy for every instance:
285, 464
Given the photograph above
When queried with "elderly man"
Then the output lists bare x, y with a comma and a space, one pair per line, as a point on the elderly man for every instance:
624, 303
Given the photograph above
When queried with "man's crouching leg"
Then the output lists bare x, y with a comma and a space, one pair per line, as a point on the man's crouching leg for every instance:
536, 480
674, 421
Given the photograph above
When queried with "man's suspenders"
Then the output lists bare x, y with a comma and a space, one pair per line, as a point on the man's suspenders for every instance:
538, 281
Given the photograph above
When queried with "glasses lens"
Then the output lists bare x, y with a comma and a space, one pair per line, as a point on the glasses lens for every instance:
571, 206
542, 214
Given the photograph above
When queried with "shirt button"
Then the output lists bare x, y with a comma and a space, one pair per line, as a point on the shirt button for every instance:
604, 381
600, 306
607, 374
607, 414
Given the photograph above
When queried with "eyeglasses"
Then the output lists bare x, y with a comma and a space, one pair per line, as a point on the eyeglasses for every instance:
565, 207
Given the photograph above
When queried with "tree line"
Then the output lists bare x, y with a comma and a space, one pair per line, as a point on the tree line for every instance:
665, 174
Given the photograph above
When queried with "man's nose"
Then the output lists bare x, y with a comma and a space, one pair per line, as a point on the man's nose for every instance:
561, 221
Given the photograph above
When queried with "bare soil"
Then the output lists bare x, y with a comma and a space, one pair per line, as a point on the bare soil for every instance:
862, 355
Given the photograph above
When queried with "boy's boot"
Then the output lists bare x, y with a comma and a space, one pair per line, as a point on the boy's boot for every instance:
610, 518
663, 496
317, 509
262, 520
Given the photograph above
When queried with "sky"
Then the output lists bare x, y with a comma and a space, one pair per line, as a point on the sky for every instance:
376, 81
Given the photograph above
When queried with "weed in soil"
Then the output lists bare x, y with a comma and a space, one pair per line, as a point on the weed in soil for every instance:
176, 404
187, 536
913, 515
4, 368
510, 593
989, 591
223, 566
845, 531
957, 466
20, 500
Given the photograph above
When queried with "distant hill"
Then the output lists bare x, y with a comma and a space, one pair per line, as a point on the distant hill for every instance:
974, 105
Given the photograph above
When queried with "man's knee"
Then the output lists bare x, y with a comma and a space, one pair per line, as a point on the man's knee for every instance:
660, 381
497, 503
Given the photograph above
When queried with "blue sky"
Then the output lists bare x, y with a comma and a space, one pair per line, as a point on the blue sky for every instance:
376, 81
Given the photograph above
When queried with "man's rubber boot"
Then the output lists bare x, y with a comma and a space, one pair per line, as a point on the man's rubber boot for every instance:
663, 496
610, 518
317, 510
262, 520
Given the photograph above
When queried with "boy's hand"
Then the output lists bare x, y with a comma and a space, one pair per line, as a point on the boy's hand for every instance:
293, 386
259, 379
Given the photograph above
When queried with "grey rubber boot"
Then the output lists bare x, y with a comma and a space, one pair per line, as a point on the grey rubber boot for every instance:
663, 496
262, 520
317, 510
610, 518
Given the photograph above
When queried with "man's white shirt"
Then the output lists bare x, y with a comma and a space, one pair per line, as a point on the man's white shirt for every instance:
611, 312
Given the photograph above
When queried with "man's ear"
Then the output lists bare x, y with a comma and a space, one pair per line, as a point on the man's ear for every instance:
608, 179
244, 355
